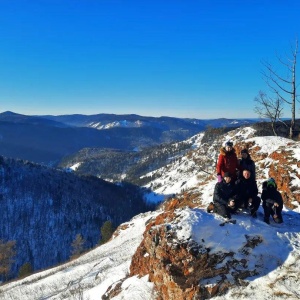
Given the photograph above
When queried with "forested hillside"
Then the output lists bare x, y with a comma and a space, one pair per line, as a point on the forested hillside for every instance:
117, 165
43, 210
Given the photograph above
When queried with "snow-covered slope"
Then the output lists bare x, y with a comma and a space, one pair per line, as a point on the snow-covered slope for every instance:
197, 170
276, 258
122, 123
90, 275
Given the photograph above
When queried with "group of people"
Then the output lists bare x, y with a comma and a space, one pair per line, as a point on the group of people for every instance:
237, 189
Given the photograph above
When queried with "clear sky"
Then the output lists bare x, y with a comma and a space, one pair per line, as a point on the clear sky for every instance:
197, 59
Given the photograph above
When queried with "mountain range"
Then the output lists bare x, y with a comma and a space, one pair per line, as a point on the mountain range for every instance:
48, 139
179, 251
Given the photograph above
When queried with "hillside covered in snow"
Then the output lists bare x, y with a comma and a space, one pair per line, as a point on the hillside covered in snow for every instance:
179, 251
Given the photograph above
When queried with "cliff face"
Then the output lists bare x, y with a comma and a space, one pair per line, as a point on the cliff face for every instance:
186, 267
43, 210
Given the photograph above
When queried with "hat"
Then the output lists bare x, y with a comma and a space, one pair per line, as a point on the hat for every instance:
244, 151
227, 174
271, 183
229, 144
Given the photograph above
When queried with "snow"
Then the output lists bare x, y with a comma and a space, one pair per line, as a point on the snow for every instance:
121, 123
240, 134
75, 166
154, 198
270, 144
183, 174
277, 257
135, 288
95, 125
91, 274
198, 225
196, 140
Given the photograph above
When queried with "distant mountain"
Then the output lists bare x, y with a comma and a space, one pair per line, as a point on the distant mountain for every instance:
42, 141
12, 117
47, 139
106, 121
43, 209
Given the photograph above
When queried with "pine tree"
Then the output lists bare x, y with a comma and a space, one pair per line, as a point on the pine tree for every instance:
25, 270
107, 230
77, 246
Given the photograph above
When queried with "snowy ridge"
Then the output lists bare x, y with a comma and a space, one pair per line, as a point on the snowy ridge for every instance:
123, 123
277, 257
195, 170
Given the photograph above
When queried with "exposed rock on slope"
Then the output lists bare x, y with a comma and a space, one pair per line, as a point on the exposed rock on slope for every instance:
281, 163
206, 260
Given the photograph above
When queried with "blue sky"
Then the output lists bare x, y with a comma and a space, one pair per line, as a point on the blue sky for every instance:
196, 59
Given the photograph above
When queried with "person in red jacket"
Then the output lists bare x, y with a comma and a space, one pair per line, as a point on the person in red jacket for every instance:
227, 162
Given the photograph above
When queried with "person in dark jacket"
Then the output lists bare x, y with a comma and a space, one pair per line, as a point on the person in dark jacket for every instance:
246, 193
227, 162
223, 198
272, 201
247, 163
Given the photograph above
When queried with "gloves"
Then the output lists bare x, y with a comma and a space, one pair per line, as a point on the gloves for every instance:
219, 178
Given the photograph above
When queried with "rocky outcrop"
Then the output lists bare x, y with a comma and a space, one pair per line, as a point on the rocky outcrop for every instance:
186, 269
284, 173
283, 166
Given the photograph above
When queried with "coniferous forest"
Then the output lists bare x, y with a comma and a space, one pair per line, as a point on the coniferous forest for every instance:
43, 209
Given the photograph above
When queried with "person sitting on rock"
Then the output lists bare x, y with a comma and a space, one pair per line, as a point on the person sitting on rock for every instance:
223, 197
247, 163
272, 201
246, 193
227, 162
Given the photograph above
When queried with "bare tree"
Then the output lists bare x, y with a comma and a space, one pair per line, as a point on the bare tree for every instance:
269, 108
284, 88
7, 254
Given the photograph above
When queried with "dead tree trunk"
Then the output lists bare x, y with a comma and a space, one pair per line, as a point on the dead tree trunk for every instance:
284, 87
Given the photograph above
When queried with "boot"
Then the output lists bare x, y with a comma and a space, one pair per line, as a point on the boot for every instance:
210, 207
277, 219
